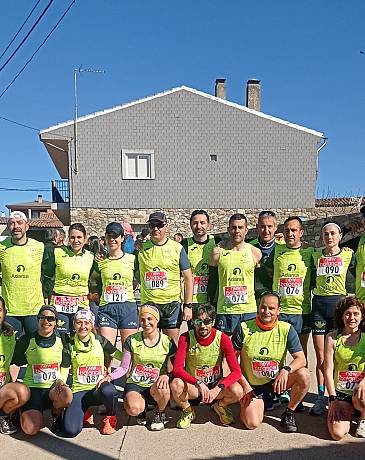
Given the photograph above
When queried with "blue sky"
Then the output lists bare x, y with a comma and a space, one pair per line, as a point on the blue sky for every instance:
306, 54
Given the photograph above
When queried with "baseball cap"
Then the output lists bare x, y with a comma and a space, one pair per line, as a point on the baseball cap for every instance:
18, 215
114, 227
159, 216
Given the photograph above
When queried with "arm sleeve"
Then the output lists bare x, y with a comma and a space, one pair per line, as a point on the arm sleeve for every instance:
217, 239
184, 263
128, 344
66, 357
293, 342
184, 244
48, 271
237, 338
19, 357
109, 348
234, 367
213, 284
123, 368
179, 361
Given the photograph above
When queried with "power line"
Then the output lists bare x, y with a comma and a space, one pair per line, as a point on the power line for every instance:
4, 189
22, 180
19, 124
25, 38
20, 29
36, 51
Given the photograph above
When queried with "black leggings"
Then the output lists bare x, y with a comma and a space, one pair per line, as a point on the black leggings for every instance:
73, 418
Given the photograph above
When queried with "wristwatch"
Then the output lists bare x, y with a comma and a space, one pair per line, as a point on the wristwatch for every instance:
221, 386
287, 368
188, 305
198, 383
331, 398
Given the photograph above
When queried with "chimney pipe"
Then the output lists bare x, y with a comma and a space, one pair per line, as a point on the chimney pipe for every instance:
39, 199
220, 88
253, 94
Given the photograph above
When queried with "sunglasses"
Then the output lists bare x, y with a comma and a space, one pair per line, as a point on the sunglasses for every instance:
199, 322
156, 223
267, 213
50, 319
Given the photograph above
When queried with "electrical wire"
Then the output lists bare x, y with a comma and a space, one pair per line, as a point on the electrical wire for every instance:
23, 180
18, 123
20, 29
26, 37
36, 51
4, 189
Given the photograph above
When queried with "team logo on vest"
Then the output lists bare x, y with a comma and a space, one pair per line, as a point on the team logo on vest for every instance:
352, 367
75, 277
156, 269
202, 269
237, 271
264, 351
292, 267
330, 279
320, 325
2, 358
20, 269
117, 276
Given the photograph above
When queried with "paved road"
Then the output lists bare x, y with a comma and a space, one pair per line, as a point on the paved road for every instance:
205, 439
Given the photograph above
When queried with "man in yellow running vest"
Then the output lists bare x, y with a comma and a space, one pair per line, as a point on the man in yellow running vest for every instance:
161, 264
21, 262
231, 271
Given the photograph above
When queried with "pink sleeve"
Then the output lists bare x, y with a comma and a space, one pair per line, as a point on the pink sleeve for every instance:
123, 368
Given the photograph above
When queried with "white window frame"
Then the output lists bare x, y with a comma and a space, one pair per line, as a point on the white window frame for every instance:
136, 152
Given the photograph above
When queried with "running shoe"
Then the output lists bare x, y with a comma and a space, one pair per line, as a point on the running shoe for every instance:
224, 413
285, 397
271, 403
287, 421
109, 424
158, 421
360, 430
6, 425
186, 417
300, 408
319, 407
88, 419
142, 418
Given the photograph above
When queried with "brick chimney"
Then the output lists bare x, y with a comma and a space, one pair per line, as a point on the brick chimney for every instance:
253, 95
220, 88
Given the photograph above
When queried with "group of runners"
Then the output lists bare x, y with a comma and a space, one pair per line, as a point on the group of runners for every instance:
249, 310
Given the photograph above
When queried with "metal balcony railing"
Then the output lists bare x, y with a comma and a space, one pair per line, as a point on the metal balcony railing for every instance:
60, 191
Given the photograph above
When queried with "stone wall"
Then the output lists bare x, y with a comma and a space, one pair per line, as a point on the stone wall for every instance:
95, 220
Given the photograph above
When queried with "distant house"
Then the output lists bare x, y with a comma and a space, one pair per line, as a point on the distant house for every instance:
180, 150
40, 217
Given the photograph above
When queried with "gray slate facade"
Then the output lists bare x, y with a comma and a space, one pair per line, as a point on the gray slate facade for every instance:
262, 162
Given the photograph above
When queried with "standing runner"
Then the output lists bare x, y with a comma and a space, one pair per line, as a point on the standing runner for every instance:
199, 248
263, 343
332, 266
12, 395
360, 261
198, 370
118, 308
47, 356
345, 369
231, 270
71, 267
161, 263
21, 261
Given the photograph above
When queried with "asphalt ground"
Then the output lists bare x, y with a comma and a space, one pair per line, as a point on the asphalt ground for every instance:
204, 439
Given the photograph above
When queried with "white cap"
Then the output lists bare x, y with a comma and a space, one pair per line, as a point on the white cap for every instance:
86, 314
18, 215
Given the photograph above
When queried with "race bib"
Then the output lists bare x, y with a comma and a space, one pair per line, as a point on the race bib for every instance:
330, 266
209, 374
44, 373
2, 379
115, 293
145, 374
290, 286
348, 380
236, 294
200, 285
362, 279
65, 304
89, 374
265, 369
155, 280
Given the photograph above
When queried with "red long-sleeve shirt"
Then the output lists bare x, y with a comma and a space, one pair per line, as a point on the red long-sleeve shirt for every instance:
227, 351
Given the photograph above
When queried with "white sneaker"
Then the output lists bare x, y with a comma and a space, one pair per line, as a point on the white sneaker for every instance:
360, 430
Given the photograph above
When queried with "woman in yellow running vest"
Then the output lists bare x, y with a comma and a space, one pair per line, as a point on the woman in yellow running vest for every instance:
344, 366
71, 267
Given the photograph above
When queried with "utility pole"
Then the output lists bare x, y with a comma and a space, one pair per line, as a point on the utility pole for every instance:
76, 73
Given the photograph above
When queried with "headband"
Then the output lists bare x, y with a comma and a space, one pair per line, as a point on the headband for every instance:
147, 308
332, 223
86, 314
